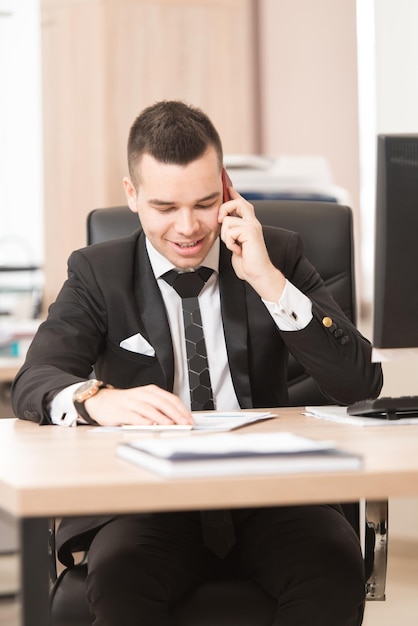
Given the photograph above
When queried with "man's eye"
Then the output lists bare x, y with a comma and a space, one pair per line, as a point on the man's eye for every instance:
205, 206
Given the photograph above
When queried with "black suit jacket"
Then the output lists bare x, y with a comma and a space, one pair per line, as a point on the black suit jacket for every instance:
111, 294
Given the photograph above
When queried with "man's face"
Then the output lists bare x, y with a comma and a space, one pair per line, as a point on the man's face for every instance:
178, 206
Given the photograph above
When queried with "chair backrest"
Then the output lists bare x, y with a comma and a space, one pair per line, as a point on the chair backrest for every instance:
327, 231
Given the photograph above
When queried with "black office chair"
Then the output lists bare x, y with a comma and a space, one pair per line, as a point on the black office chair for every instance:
327, 230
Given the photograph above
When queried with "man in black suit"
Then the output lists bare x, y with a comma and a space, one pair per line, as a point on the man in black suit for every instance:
117, 313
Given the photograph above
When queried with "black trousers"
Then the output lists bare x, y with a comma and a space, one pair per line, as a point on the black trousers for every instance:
308, 558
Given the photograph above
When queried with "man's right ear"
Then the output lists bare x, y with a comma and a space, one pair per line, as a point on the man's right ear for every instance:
130, 193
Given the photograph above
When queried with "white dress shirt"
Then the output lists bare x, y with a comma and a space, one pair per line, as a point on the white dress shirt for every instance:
292, 312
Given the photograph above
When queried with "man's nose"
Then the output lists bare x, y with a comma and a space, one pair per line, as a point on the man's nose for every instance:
187, 222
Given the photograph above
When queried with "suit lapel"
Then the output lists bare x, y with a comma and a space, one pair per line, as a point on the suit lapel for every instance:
234, 317
153, 314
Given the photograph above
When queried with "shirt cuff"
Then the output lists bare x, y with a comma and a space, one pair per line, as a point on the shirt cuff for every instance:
293, 311
62, 410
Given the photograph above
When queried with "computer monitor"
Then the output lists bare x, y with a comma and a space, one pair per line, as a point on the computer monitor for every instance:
395, 312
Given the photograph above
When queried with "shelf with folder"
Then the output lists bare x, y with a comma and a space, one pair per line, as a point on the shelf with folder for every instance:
15, 337
20, 290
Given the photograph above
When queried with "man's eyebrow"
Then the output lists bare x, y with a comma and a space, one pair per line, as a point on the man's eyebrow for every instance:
211, 196
158, 202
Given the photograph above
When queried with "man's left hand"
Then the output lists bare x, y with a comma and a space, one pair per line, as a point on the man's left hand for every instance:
242, 234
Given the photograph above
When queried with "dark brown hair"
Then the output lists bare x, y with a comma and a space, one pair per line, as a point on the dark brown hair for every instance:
171, 132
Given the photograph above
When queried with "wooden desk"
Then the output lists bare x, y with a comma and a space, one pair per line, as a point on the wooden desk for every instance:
51, 471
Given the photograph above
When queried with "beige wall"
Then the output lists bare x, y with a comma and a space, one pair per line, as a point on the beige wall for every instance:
103, 60
309, 83
309, 101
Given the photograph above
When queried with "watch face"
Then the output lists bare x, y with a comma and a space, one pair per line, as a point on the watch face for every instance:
87, 389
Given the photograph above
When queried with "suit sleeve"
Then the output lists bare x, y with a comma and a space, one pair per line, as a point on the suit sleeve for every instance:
66, 345
330, 347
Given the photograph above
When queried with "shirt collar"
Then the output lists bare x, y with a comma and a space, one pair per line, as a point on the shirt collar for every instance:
160, 265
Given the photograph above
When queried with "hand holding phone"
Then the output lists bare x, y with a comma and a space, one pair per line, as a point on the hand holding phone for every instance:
244, 238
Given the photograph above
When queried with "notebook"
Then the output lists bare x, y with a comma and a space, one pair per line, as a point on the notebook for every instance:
229, 454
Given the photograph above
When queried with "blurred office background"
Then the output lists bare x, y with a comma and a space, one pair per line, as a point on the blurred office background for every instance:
303, 81
280, 78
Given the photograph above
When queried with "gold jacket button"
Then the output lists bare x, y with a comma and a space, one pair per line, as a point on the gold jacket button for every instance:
327, 322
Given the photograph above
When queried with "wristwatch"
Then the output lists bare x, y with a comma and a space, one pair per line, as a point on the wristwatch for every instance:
84, 392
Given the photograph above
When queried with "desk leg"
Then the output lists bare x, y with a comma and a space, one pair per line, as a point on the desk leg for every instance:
34, 573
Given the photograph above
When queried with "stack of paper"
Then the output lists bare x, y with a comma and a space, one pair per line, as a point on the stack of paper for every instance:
231, 454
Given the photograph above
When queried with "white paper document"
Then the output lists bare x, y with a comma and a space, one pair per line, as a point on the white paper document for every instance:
339, 414
227, 420
211, 421
232, 454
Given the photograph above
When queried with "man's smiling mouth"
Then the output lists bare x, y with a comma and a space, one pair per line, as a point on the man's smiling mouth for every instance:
190, 244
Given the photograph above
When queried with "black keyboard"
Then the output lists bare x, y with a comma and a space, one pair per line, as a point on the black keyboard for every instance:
386, 408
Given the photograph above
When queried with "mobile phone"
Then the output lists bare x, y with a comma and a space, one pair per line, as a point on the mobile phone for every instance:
226, 182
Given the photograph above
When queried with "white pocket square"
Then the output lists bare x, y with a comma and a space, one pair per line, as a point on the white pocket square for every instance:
137, 343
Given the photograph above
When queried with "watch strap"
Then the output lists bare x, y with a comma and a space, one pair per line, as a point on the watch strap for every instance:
80, 406
82, 412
